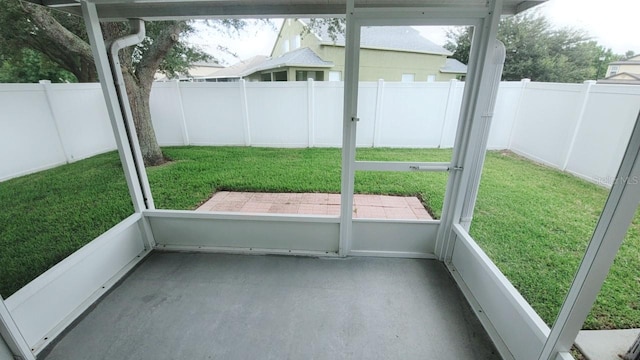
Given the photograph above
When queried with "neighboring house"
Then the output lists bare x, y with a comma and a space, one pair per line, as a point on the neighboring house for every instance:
623, 72
238, 70
397, 53
197, 72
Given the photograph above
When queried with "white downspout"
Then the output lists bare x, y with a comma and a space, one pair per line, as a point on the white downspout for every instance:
137, 36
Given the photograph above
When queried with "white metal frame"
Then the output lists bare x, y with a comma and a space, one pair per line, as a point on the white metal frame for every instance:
497, 303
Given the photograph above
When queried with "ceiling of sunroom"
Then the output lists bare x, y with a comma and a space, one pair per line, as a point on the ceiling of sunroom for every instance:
163, 9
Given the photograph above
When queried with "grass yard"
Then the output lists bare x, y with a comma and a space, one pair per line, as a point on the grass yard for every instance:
533, 221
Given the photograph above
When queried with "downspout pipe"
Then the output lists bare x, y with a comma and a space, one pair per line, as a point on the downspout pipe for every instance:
136, 37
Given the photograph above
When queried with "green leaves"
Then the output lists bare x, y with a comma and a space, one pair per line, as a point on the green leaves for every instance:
540, 52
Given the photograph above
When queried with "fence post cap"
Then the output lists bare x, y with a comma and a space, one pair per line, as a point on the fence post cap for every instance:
44, 81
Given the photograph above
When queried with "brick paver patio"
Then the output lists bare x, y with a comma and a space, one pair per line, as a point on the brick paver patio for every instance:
365, 206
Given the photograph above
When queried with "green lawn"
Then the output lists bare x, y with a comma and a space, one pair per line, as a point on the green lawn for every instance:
534, 222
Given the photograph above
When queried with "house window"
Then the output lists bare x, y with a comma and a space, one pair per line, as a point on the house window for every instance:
335, 75
296, 42
285, 46
265, 77
408, 77
614, 70
431, 78
280, 76
313, 75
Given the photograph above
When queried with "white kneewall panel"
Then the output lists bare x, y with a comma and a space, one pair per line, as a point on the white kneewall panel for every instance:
5, 353
501, 303
47, 305
200, 230
394, 236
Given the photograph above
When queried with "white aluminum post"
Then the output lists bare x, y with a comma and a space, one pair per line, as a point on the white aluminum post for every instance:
351, 68
605, 242
107, 83
468, 136
11, 334
486, 104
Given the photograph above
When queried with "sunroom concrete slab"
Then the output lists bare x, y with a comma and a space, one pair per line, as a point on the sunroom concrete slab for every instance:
217, 306
364, 206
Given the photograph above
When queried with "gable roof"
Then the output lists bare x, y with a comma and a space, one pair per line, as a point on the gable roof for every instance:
634, 60
453, 66
398, 38
302, 57
621, 78
240, 68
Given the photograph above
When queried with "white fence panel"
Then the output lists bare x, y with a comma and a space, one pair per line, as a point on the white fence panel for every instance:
278, 114
413, 114
546, 121
29, 140
327, 114
601, 139
368, 95
213, 113
580, 128
167, 114
509, 95
82, 118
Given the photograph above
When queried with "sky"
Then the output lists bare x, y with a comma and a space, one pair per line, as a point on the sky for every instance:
613, 23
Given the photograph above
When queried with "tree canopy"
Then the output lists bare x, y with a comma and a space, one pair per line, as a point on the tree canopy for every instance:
537, 51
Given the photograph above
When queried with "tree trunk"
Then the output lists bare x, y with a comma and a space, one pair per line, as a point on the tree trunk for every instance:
139, 102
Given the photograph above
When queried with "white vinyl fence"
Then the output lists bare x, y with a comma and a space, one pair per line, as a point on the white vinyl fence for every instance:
579, 128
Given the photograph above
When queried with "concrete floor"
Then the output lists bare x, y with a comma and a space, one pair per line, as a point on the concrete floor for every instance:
216, 306
364, 206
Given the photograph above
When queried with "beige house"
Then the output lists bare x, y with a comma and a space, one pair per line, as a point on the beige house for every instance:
623, 72
397, 53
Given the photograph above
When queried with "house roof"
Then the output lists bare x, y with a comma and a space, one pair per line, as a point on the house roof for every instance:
109, 10
621, 78
398, 38
302, 57
634, 60
453, 66
241, 68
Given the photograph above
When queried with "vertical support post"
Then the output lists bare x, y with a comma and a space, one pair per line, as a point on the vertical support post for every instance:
185, 131
350, 118
605, 242
469, 131
311, 111
46, 86
586, 91
377, 121
244, 104
483, 125
524, 83
98, 48
12, 336
449, 108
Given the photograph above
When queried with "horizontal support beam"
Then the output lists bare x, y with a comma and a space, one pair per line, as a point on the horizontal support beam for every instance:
188, 214
401, 166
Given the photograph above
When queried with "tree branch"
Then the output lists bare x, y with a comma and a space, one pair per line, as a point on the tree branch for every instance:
147, 67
